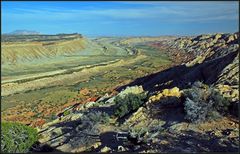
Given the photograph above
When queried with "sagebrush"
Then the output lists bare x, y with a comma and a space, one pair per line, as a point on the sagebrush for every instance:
96, 117
16, 137
128, 103
204, 103
87, 131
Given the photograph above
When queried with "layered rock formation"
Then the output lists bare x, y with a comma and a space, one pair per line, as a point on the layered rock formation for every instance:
22, 48
213, 60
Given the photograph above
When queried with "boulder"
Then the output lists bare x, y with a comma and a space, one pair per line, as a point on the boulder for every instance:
204, 37
197, 60
224, 88
102, 99
230, 38
218, 36
174, 92
133, 90
181, 44
105, 149
76, 116
96, 145
121, 149
178, 127
228, 91
110, 100
89, 104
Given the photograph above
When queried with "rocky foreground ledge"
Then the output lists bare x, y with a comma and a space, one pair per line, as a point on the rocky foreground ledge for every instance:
160, 124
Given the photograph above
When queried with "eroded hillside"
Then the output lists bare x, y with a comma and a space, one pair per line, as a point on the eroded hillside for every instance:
20, 48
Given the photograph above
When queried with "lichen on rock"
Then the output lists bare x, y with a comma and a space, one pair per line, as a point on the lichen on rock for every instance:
174, 92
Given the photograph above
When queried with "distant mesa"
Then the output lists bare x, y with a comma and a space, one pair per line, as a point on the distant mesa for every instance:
23, 32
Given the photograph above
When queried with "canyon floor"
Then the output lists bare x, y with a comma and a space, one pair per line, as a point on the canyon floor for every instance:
40, 88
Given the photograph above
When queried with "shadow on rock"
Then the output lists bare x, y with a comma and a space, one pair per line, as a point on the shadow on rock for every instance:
190, 141
108, 139
109, 109
181, 75
38, 147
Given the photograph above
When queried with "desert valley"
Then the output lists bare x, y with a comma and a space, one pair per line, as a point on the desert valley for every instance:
115, 94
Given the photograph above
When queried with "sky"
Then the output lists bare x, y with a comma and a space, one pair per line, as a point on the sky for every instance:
121, 18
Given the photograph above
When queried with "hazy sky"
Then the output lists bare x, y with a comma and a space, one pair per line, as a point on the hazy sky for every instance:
121, 18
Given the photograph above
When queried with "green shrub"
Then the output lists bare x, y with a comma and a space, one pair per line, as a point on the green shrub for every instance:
204, 103
97, 117
221, 103
196, 111
87, 132
67, 112
145, 134
128, 103
17, 138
